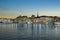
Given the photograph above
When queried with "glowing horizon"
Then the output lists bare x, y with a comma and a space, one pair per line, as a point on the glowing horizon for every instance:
14, 8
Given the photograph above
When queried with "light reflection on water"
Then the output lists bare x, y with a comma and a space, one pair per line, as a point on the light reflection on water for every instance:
42, 31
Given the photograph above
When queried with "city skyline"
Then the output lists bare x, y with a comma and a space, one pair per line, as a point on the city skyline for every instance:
14, 8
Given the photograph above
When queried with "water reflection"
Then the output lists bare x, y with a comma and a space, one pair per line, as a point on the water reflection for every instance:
8, 27
33, 31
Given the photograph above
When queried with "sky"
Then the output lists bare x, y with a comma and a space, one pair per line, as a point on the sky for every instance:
14, 8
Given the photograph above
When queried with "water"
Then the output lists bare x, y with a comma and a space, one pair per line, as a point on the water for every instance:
39, 31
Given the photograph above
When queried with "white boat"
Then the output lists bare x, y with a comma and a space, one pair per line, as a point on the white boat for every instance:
57, 23
29, 22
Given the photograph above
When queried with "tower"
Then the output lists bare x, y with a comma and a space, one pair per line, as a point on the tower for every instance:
37, 15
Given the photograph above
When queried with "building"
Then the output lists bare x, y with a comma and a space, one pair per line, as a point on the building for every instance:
45, 19
24, 18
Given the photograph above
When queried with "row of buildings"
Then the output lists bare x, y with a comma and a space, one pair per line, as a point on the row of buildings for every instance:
33, 18
37, 18
6, 20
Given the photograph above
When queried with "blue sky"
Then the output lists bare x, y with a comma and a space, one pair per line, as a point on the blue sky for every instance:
13, 8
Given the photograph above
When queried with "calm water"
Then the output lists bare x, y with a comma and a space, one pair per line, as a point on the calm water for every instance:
42, 31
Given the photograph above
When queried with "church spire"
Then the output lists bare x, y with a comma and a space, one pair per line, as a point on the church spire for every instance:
37, 15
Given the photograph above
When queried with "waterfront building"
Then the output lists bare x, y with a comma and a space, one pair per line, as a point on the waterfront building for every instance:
24, 18
5, 20
19, 19
45, 18
33, 18
56, 18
